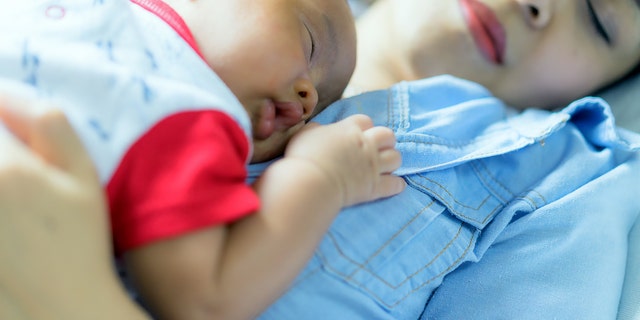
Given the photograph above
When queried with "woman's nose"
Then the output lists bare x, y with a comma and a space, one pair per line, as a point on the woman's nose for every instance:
307, 95
537, 13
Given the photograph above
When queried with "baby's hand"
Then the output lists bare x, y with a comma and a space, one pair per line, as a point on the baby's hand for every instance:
356, 157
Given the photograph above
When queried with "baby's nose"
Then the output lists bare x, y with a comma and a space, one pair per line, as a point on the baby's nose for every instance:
307, 95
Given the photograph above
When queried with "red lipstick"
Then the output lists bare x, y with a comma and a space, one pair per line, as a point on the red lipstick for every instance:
487, 31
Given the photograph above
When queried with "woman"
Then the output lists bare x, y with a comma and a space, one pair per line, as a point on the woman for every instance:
529, 53
511, 242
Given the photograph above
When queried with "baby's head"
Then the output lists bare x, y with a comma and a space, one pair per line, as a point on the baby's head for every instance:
285, 60
530, 53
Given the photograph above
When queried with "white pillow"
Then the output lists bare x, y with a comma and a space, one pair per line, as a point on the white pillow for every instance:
624, 99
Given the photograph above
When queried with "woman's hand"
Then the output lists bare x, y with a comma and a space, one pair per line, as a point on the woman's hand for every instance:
55, 246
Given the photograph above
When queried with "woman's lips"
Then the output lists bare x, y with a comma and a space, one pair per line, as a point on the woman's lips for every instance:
487, 31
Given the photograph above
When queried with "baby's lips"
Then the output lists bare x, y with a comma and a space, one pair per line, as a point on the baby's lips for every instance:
265, 125
275, 116
288, 114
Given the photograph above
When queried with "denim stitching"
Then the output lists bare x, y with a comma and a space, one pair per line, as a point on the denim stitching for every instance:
390, 114
402, 92
446, 142
375, 275
481, 170
381, 300
388, 242
450, 207
444, 189
533, 203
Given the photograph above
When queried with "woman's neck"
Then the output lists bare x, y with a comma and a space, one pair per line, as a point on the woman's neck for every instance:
378, 64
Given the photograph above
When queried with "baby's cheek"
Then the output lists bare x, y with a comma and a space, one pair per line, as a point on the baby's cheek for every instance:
270, 148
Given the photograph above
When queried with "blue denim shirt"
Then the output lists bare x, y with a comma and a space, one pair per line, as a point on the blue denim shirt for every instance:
506, 215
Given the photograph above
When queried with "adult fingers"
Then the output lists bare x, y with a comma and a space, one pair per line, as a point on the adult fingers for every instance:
12, 119
48, 134
15, 153
59, 144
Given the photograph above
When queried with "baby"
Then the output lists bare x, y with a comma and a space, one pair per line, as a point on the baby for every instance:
173, 99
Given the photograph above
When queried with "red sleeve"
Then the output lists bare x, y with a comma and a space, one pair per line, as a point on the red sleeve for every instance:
186, 173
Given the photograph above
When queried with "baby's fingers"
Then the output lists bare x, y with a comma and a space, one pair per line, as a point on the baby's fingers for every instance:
361, 120
383, 137
389, 185
390, 160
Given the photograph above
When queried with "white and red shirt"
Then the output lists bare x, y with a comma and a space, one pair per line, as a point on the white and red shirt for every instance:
169, 139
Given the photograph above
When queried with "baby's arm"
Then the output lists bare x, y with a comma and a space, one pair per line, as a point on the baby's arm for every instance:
235, 272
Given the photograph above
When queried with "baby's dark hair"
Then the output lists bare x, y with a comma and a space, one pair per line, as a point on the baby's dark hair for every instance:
328, 94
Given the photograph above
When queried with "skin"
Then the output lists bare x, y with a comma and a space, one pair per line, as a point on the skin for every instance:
40, 277
285, 60
281, 59
264, 51
235, 271
554, 53
84, 186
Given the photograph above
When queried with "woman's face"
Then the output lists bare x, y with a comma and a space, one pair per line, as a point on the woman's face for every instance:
541, 53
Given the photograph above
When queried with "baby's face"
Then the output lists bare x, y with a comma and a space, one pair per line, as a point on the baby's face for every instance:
284, 59
540, 53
